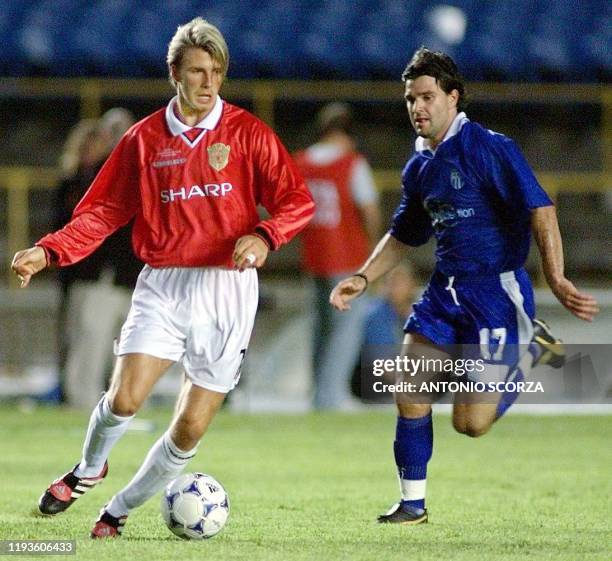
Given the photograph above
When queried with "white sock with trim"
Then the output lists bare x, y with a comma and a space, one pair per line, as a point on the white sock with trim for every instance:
163, 463
104, 430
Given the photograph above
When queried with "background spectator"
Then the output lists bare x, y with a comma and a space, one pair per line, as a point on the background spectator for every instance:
337, 242
96, 292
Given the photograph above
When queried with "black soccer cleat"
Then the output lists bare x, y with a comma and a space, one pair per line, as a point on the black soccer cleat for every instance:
551, 349
107, 526
67, 489
404, 514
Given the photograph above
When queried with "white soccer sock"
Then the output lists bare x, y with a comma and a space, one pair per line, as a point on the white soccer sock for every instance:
163, 463
105, 429
413, 489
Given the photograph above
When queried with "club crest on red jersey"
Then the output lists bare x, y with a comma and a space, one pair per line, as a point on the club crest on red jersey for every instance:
218, 155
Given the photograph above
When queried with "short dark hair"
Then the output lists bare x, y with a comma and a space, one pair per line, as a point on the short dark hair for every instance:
440, 66
335, 116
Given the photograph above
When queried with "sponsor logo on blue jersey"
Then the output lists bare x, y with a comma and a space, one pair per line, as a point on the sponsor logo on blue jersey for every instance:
444, 215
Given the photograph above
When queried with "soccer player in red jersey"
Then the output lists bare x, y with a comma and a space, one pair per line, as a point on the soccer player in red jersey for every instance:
191, 175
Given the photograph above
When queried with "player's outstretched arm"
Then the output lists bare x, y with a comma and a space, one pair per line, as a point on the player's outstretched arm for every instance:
386, 255
545, 229
28, 262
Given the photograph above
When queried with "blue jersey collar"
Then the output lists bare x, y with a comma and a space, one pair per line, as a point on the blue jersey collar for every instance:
422, 144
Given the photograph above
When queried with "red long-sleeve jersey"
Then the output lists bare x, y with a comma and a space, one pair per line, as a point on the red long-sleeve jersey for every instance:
192, 193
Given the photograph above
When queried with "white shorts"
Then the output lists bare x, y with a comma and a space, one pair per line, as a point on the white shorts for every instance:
201, 317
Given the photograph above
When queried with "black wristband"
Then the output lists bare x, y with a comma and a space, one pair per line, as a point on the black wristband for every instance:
263, 234
364, 278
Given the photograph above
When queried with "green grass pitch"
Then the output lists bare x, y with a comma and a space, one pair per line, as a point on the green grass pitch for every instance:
310, 487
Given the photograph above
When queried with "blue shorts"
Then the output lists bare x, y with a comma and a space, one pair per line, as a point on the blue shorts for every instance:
475, 310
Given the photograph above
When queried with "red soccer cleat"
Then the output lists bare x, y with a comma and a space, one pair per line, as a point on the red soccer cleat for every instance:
107, 526
67, 489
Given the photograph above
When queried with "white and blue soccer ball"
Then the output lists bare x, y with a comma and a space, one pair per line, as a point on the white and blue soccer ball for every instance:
195, 506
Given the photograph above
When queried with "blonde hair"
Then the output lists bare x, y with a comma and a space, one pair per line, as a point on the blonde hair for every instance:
114, 123
84, 132
201, 34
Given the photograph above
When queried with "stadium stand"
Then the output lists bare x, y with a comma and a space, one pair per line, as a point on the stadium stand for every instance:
519, 40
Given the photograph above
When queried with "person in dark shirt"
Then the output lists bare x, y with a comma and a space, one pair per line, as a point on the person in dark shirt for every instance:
94, 293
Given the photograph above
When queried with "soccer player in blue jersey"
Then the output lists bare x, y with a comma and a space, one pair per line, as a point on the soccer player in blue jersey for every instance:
473, 190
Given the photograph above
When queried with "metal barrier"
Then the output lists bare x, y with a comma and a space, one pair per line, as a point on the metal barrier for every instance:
19, 181
91, 92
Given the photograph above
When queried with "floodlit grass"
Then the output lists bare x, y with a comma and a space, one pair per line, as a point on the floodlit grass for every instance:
310, 487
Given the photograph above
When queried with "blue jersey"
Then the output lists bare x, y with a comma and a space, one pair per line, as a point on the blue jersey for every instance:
475, 194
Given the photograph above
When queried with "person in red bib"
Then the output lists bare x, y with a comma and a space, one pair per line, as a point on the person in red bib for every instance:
345, 225
190, 176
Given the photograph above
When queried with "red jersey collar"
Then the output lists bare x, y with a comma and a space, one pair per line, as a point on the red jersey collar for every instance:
209, 122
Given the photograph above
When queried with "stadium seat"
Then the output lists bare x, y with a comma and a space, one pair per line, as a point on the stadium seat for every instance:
386, 37
267, 42
327, 44
11, 16
553, 51
500, 39
595, 44
98, 37
41, 37
513, 41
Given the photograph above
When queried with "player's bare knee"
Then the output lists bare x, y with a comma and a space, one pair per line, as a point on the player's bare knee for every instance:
474, 429
459, 424
122, 404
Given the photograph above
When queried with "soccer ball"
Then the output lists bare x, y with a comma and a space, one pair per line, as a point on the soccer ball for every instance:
195, 506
